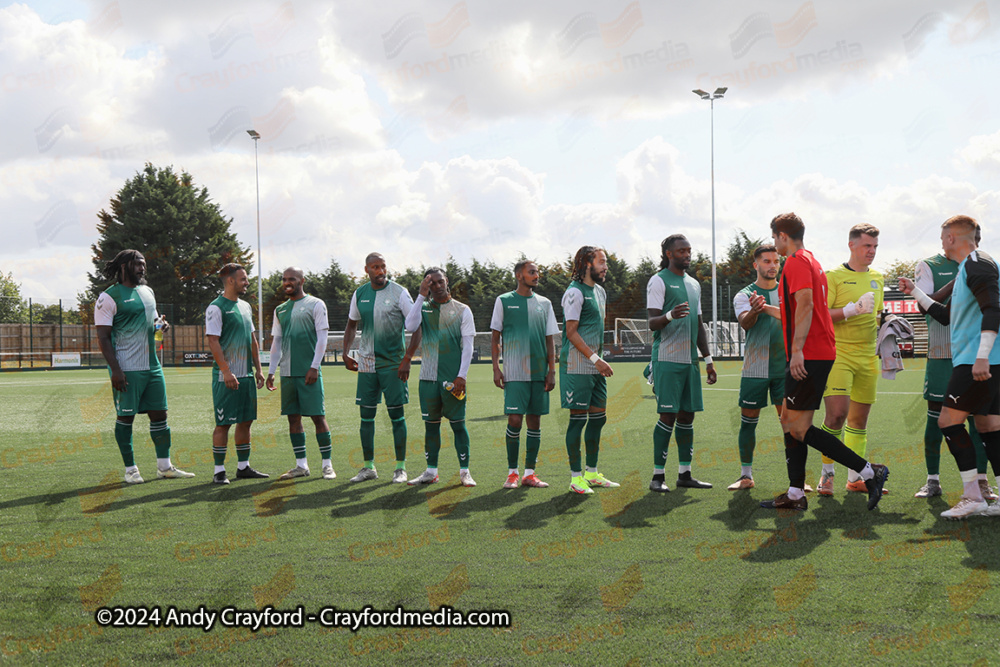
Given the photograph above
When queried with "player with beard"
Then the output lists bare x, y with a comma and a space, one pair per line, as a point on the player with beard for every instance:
678, 337
299, 334
229, 330
582, 371
527, 324
448, 333
380, 306
124, 315
757, 311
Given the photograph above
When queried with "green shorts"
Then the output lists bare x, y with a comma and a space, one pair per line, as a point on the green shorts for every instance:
677, 387
234, 406
525, 398
753, 392
371, 386
144, 391
936, 377
580, 392
298, 398
435, 403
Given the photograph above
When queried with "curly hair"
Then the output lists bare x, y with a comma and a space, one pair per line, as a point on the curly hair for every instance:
112, 269
584, 256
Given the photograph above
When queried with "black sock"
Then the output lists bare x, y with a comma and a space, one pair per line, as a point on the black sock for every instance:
796, 454
961, 447
829, 446
991, 442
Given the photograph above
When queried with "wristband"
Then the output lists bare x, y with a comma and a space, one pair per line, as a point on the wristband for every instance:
594, 358
925, 301
986, 339
708, 359
670, 315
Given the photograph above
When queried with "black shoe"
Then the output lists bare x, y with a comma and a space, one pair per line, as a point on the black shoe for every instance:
875, 484
685, 479
220, 478
250, 473
659, 484
783, 502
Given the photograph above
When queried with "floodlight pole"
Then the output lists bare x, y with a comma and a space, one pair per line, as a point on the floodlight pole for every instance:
260, 285
711, 97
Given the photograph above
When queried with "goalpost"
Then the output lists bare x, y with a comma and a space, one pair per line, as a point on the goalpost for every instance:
632, 331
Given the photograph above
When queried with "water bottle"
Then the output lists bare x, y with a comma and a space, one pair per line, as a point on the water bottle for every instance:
158, 336
450, 388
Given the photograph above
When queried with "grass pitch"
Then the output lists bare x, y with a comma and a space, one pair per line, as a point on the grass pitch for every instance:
623, 576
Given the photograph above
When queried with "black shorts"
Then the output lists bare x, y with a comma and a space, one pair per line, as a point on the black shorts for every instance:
975, 397
807, 394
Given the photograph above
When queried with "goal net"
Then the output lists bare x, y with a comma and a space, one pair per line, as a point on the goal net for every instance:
632, 331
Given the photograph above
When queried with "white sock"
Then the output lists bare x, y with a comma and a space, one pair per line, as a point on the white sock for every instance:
132, 469
242, 465
163, 464
302, 463
528, 472
933, 477
745, 471
982, 476
573, 474
513, 471
683, 469
794, 493
432, 471
219, 469
658, 471
970, 484
998, 480
465, 469
589, 469
867, 473
827, 468
852, 476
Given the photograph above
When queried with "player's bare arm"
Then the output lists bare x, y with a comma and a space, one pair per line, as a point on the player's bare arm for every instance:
258, 371
350, 331
940, 312
411, 349
550, 352
118, 380
220, 359
658, 320
803, 321
495, 355
576, 340
712, 376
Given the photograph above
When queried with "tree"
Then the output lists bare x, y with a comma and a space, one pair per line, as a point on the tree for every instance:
12, 306
182, 233
899, 268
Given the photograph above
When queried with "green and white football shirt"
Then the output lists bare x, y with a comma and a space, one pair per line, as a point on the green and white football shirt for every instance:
302, 325
764, 348
524, 322
932, 274
586, 305
130, 313
232, 322
442, 327
381, 313
678, 341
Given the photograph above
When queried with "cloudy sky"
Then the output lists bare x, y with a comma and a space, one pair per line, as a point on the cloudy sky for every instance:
486, 129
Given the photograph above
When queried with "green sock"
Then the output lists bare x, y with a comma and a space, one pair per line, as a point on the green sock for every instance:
592, 436
242, 453
298, 444
532, 443
400, 465
977, 441
325, 445
398, 420
368, 434
684, 434
160, 434
123, 436
573, 433
932, 444
856, 440
513, 446
661, 443
461, 443
432, 443
219, 455
747, 439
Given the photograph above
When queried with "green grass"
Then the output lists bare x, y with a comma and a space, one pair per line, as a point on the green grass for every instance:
622, 576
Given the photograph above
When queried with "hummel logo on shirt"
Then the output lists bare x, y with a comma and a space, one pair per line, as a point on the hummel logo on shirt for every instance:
675, 287
128, 300
513, 307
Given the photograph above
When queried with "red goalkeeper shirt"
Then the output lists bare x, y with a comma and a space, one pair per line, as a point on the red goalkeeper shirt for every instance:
802, 271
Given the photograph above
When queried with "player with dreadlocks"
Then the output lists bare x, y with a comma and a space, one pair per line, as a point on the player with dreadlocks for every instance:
125, 315
582, 371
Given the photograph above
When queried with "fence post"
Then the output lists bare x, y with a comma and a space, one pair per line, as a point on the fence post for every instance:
31, 335
60, 327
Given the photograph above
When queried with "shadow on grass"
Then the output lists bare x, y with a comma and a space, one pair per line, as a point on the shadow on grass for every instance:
463, 508
650, 505
565, 508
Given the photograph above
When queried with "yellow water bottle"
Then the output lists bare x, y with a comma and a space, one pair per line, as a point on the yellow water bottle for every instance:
450, 388
158, 336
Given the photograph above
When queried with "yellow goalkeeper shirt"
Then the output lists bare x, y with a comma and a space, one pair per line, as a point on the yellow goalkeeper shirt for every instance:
857, 335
